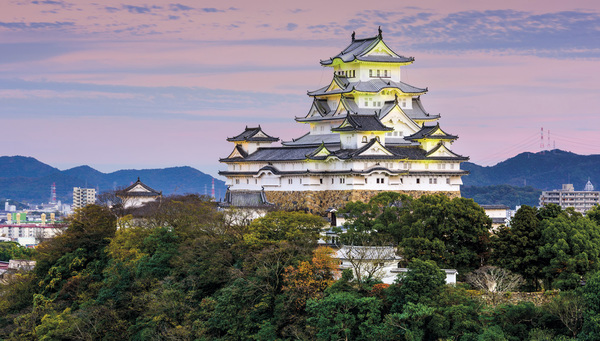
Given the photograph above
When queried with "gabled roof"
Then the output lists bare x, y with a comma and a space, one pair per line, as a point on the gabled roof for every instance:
373, 146
373, 85
139, 189
237, 153
361, 123
416, 113
320, 153
319, 107
360, 49
253, 135
431, 132
442, 152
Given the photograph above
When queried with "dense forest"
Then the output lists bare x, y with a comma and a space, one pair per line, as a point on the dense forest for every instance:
183, 270
508, 195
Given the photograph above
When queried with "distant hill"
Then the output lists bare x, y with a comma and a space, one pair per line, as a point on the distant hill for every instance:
26, 179
508, 195
24, 166
544, 170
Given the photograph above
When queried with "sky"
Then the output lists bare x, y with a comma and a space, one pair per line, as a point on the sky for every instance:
133, 84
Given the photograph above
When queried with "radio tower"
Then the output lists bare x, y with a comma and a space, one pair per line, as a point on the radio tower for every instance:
542, 138
212, 189
548, 139
53, 193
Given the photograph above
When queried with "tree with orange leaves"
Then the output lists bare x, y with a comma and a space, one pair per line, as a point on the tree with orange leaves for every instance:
310, 279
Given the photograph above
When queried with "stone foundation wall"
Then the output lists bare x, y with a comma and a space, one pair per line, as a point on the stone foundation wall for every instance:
317, 202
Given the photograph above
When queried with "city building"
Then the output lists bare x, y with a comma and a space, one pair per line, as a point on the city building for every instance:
498, 213
138, 194
379, 262
581, 201
368, 132
83, 197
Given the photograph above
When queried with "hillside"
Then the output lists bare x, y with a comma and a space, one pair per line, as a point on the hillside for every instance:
544, 170
26, 179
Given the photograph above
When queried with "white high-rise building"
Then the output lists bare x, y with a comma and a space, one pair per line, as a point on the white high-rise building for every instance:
83, 197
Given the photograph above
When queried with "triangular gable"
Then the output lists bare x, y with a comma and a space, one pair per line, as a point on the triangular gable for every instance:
335, 85
314, 110
345, 123
380, 49
237, 152
396, 114
260, 134
437, 131
341, 108
442, 151
375, 148
320, 151
138, 188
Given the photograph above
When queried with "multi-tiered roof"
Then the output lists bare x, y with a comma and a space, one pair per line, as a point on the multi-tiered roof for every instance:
366, 112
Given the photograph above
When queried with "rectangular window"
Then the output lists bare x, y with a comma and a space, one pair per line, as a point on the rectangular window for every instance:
378, 73
447, 181
237, 181
321, 181
418, 181
300, 181
247, 181
370, 73
290, 181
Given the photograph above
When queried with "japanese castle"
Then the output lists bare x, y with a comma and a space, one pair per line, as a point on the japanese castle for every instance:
369, 132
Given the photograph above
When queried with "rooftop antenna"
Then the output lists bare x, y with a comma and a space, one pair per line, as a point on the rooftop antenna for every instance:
212, 190
542, 140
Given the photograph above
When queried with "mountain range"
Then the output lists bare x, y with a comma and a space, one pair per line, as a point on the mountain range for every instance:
545, 170
26, 179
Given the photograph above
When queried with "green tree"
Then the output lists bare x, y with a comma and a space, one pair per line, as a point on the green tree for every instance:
12, 250
299, 228
452, 232
517, 247
421, 284
345, 316
590, 294
571, 248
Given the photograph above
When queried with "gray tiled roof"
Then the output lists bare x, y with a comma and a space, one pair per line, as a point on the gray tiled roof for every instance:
362, 123
359, 47
302, 152
245, 199
314, 140
249, 133
372, 85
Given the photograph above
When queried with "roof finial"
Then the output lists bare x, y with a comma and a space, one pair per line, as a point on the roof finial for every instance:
353, 35
380, 32
396, 98
138, 179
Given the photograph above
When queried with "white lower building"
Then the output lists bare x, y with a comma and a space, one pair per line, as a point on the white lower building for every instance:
581, 201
